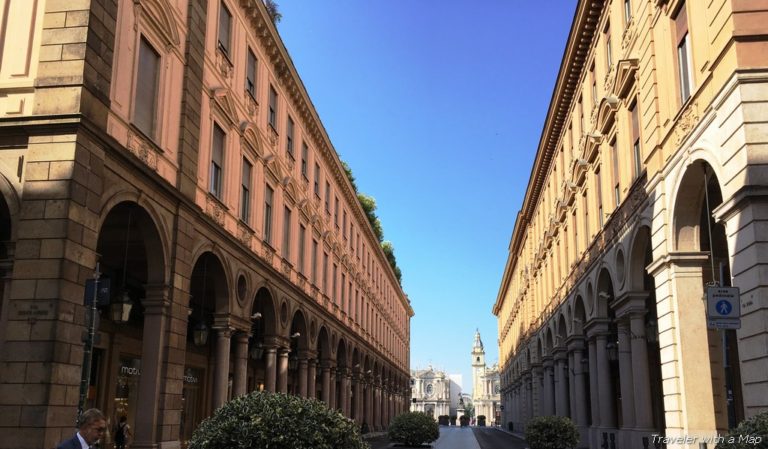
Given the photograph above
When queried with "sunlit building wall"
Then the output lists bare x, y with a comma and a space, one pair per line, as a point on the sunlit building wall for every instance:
648, 185
173, 145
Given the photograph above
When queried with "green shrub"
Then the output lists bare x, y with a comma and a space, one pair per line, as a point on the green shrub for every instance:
464, 420
277, 421
551, 432
413, 429
481, 420
751, 433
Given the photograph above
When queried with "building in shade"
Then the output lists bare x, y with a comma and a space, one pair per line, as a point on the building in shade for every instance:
172, 144
647, 188
485, 384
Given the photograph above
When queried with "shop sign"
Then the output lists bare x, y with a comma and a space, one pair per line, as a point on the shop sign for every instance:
130, 367
191, 376
102, 297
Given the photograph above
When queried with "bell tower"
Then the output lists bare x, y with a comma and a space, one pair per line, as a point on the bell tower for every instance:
478, 365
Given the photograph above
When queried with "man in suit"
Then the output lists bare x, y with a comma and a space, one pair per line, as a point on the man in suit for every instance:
92, 425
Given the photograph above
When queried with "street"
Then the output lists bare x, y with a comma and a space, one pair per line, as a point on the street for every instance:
467, 438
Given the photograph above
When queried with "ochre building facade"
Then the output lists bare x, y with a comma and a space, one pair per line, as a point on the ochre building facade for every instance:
649, 184
172, 144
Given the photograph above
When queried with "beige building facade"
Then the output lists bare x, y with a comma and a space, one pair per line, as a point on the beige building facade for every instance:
649, 185
171, 145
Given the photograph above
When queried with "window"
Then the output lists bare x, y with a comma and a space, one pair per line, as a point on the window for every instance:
599, 187
302, 237
325, 272
336, 212
217, 160
317, 181
608, 50
684, 74
250, 74
225, 28
581, 115
304, 156
594, 84
334, 291
327, 197
145, 104
636, 156
314, 261
343, 296
245, 192
287, 234
268, 214
616, 178
344, 224
272, 117
289, 138
627, 11
585, 205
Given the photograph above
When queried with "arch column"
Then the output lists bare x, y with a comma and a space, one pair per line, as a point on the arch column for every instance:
325, 376
536, 381
683, 332
303, 369
312, 378
221, 374
561, 386
631, 307
156, 305
597, 329
549, 387
270, 369
343, 377
576, 347
241, 365
282, 369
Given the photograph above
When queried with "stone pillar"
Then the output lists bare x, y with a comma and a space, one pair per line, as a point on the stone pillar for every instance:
377, 407
282, 370
344, 393
570, 373
312, 379
303, 369
561, 384
579, 384
549, 388
605, 382
332, 389
688, 394
641, 372
221, 375
593, 384
536, 382
625, 377
325, 373
358, 398
239, 383
270, 368
155, 318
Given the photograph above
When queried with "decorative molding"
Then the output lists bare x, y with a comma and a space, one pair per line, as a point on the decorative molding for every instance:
626, 73
158, 16
244, 234
224, 65
686, 122
142, 149
214, 209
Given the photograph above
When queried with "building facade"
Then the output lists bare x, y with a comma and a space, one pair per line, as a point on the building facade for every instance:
171, 146
647, 187
432, 392
486, 384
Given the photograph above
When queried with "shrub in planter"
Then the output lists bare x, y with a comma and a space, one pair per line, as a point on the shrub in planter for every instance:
464, 421
453, 420
413, 429
751, 433
442, 420
481, 420
277, 421
551, 432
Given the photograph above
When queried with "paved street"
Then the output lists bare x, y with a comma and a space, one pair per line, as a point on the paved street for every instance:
492, 438
466, 438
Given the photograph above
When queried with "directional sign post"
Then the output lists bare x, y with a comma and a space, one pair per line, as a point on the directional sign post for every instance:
723, 308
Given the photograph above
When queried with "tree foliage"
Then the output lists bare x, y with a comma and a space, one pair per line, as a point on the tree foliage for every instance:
273, 10
551, 432
413, 429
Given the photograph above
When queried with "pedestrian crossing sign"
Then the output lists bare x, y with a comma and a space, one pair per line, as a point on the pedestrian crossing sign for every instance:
723, 308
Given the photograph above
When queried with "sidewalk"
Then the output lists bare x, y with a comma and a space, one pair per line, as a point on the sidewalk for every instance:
514, 434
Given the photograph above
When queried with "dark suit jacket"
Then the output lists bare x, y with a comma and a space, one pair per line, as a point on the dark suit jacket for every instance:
72, 443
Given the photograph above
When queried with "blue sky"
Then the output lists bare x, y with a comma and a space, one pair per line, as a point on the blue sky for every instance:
437, 106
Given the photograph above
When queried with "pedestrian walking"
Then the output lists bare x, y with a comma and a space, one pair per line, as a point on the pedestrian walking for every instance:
91, 427
122, 433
